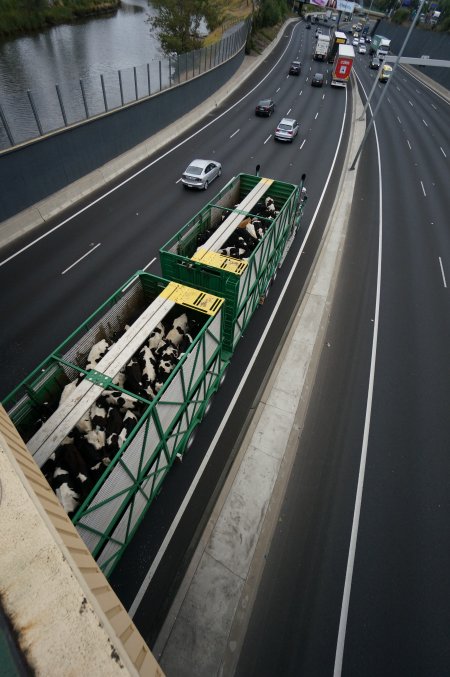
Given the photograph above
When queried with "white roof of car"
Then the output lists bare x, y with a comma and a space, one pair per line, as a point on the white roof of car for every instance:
200, 163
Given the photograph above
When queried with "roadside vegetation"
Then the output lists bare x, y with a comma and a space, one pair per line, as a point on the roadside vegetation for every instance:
19, 17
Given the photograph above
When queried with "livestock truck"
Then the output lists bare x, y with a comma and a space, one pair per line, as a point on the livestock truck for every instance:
321, 48
342, 66
380, 45
217, 294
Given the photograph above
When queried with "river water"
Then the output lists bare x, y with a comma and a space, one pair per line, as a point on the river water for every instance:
64, 54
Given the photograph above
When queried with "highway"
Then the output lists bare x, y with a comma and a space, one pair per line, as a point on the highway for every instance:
59, 275
356, 574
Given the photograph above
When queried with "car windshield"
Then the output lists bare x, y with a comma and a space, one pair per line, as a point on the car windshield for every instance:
194, 169
318, 76
284, 127
296, 63
264, 103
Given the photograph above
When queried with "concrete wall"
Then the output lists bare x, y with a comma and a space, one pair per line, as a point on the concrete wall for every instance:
435, 45
31, 172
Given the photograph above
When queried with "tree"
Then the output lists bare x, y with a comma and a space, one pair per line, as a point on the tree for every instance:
177, 23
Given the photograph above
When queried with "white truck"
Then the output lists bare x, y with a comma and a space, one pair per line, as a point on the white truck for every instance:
380, 46
322, 47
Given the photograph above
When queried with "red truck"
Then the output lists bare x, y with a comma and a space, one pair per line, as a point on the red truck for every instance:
342, 66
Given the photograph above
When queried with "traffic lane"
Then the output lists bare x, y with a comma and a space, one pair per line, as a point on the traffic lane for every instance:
143, 549
400, 594
294, 622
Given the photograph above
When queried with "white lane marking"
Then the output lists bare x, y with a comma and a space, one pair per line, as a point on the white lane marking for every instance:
323, 96
303, 143
433, 106
306, 79
407, 141
287, 76
135, 276
81, 258
149, 264
301, 92
424, 122
269, 137
417, 91
362, 466
310, 68
442, 272
398, 88
432, 91
410, 103
389, 101
153, 162
315, 118
399, 119
234, 133
160, 554
289, 111
277, 90
443, 152
178, 180
423, 189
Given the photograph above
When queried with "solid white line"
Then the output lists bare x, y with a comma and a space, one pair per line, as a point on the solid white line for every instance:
150, 263
154, 565
289, 111
443, 152
443, 274
362, 466
269, 137
303, 143
422, 84
315, 117
178, 180
423, 189
81, 258
153, 162
424, 122
234, 133
408, 144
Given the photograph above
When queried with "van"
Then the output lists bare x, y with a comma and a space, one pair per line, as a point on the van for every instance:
385, 73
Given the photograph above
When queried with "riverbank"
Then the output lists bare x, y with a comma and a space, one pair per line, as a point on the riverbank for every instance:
20, 18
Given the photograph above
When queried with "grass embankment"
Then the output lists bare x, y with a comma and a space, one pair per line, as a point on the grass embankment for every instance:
237, 10
18, 17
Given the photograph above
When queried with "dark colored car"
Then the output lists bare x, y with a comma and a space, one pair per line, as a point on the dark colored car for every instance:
265, 107
295, 68
317, 80
308, 27
374, 63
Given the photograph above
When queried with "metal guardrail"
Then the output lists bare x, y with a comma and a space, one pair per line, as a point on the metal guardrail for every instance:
36, 113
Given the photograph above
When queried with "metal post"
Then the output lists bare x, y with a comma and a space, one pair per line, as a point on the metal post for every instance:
120, 85
84, 98
206, 52
178, 68
33, 107
186, 68
170, 74
210, 56
385, 89
61, 105
193, 63
104, 91
160, 76
199, 60
6, 126
148, 79
135, 82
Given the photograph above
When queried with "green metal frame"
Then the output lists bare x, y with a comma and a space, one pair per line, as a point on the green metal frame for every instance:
243, 293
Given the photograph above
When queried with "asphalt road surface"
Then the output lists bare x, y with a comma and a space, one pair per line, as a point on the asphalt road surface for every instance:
355, 582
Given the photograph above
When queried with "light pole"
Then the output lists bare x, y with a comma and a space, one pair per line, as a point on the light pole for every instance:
397, 61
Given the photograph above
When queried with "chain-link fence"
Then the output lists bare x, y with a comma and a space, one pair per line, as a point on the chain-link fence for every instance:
37, 112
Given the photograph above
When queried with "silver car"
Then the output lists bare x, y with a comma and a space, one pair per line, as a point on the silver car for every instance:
200, 173
286, 130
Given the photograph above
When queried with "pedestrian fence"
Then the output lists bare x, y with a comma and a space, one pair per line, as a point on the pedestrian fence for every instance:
37, 112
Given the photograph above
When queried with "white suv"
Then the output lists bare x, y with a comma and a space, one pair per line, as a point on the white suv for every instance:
286, 129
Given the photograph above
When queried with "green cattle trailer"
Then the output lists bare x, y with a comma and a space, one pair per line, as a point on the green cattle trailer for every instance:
242, 283
111, 513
